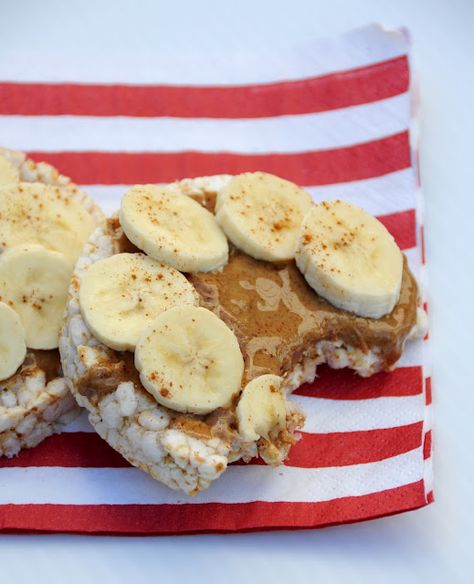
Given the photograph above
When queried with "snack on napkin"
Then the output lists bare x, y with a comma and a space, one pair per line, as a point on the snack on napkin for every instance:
208, 384
44, 221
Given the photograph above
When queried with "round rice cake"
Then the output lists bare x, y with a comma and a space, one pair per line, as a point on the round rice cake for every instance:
35, 401
184, 451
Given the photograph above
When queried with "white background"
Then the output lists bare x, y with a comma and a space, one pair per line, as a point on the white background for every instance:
431, 544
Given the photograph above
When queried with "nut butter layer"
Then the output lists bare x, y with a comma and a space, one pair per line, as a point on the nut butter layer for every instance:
280, 320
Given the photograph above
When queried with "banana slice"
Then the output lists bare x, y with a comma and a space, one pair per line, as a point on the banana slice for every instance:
173, 228
44, 215
261, 408
189, 360
261, 214
12, 342
349, 258
34, 282
121, 294
9, 174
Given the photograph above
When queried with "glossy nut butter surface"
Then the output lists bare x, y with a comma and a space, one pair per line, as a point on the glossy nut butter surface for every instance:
277, 317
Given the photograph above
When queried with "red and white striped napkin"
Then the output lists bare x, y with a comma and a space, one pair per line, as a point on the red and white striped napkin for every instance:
335, 117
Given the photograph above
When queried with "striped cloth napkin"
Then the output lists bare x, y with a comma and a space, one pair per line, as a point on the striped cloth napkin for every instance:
335, 117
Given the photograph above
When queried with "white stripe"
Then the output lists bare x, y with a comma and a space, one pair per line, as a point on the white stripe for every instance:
80, 424
330, 415
413, 255
382, 195
428, 475
321, 131
327, 415
424, 278
428, 423
89, 486
166, 61
412, 355
107, 196
427, 352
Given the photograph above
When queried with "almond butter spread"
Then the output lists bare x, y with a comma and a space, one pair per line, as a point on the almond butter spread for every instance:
106, 374
278, 318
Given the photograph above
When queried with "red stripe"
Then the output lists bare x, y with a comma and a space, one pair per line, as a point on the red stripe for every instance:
316, 94
75, 449
430, 497
208, 517
425, 308
428, 393
402, 226
346, 448
320, 167
422, 238
427, 445
345, 384
87, 449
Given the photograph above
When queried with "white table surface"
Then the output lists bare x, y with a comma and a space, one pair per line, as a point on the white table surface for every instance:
432, 543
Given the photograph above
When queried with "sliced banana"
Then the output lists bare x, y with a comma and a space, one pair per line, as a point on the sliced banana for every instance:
261, 408
121, 294
173, 228
44, 215
9, 174
34, 282
12, 342
349, 258
261, 214
189, 360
